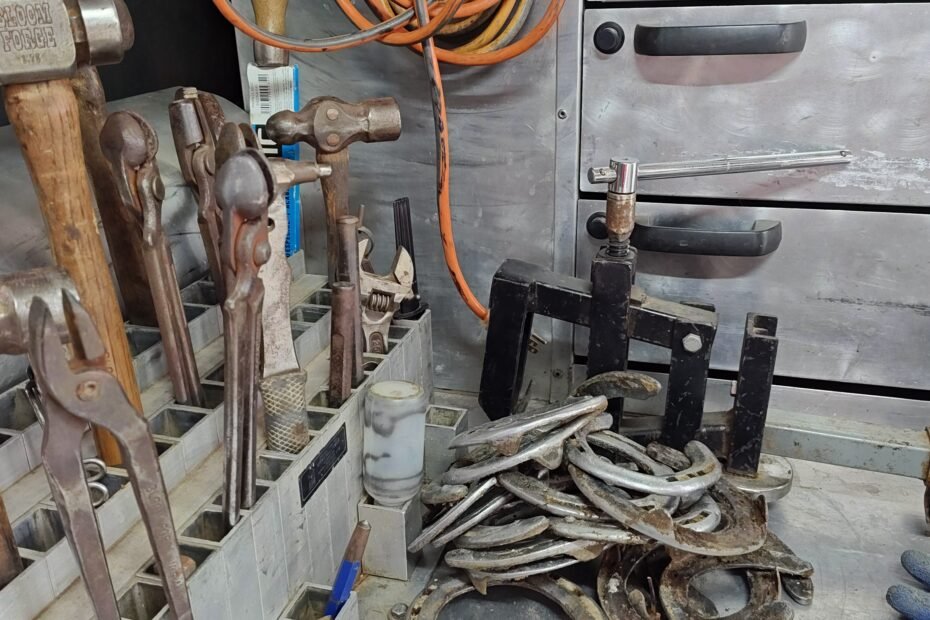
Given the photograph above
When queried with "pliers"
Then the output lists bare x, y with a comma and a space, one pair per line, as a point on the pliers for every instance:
76, 390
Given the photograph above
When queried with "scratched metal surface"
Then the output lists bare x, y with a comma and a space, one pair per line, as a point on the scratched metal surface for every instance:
23, 240
502, 125
848, 288
860, 83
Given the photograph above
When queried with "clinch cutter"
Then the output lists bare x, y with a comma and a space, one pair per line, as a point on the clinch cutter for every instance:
129, 145
196, 121
245, 249
382, 296
41, 316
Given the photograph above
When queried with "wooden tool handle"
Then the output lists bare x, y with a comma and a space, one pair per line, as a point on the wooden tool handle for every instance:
11, 564
269, 14
125, 250
45, 117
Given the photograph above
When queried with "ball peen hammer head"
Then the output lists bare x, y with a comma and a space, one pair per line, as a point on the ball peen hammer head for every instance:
330, 125
43, 40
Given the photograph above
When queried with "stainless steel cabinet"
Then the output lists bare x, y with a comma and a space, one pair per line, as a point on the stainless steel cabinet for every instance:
850, 309
850, 280
861, 82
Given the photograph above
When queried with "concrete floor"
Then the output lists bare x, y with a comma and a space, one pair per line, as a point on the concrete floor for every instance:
852, 525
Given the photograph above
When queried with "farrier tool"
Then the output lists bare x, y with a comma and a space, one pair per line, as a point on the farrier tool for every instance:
330, 125
196, 121
42, 108
283, 385
124, 244
42, 317
284, 382
381, 296
129, 145
616, 311
341, 343
348, 269
244, 190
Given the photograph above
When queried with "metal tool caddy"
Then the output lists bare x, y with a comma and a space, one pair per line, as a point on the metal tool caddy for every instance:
698, 388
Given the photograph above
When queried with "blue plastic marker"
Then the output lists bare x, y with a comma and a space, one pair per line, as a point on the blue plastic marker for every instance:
349, 569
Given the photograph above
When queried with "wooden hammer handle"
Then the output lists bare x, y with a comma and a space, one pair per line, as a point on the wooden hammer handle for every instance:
45, 117
269, 14
11, 564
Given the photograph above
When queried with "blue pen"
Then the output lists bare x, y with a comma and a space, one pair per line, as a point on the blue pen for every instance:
349, 569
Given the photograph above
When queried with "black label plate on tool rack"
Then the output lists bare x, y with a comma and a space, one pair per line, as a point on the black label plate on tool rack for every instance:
324, 462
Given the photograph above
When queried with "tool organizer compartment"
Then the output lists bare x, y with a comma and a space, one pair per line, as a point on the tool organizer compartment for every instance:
280, 544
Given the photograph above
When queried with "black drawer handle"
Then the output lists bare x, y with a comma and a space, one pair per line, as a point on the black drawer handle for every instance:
720, 40
763, 238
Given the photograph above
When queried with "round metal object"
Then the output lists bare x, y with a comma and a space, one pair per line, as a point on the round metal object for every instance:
773, 480
609, 38
399, 611
692, 343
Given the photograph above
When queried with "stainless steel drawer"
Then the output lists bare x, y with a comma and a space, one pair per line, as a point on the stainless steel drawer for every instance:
861, 83
850, 289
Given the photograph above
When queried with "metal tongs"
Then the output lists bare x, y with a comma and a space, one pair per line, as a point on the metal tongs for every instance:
41, 317
245, 188
196, 121
130, 145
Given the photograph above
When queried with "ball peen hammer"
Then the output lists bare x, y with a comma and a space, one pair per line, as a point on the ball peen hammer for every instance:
42, 44
330, 125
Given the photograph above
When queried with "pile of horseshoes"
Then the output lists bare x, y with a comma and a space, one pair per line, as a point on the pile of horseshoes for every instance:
541, 491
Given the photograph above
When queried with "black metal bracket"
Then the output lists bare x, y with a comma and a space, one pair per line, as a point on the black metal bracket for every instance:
521, 290
753, 389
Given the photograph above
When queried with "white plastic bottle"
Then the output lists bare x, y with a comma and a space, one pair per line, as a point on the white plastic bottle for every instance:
394, 435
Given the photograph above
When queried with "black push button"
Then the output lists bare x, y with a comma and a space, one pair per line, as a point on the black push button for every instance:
609, 38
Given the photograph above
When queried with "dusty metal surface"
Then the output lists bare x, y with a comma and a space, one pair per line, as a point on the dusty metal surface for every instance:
506, 434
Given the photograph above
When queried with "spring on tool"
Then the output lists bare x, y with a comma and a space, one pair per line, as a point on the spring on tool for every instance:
379, 302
